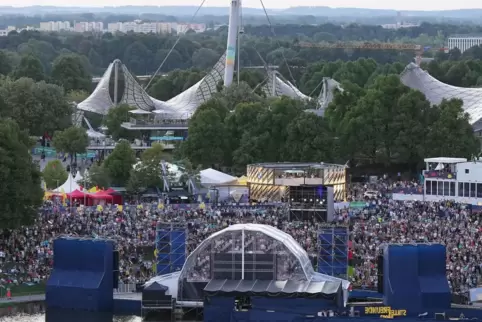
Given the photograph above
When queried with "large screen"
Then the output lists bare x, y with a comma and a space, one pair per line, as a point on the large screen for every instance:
256, 266
309, 195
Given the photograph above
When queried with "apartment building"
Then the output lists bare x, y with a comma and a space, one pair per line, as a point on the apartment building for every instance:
138, 26
89, 26
184, 27
55, 26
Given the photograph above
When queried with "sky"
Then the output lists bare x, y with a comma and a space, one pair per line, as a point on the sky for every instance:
374, 4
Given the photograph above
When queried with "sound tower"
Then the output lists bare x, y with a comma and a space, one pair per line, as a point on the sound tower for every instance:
380, 273
115, 267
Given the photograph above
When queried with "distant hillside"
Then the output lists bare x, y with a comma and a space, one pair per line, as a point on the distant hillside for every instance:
223, 11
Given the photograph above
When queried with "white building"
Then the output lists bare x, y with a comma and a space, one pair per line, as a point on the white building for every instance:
114, 27
447, 179
185, 27
400, 25
463, 42
89, 26
138, 26
55, 26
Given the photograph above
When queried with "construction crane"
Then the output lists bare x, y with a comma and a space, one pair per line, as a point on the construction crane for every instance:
418, 49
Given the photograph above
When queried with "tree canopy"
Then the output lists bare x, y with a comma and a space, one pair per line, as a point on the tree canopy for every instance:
20, 190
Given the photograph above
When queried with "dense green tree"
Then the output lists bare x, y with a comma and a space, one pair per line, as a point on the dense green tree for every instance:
69, 72
5, 65
206, 141
73, 140
54, 174
38, 107
155, 153
20, 191
205, 58
450, 133
97, 176
119, 163
30, 67
114, 119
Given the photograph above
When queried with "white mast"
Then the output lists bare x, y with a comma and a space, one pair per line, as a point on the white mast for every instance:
232, 42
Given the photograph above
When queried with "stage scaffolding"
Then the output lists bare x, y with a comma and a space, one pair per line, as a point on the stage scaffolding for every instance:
333, 250
171, 249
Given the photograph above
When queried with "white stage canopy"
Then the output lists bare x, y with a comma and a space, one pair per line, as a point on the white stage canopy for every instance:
212, 177
68, 186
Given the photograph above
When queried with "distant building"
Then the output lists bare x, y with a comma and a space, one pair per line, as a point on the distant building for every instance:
463, 42
138, 26
5, 31
399, 25
55, 26
89, 26
185, 27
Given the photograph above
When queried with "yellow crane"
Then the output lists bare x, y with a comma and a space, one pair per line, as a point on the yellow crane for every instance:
417, 49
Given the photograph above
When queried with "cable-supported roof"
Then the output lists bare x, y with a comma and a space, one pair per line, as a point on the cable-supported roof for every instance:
435, 91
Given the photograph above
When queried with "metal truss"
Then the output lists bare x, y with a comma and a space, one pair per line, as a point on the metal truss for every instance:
333, 250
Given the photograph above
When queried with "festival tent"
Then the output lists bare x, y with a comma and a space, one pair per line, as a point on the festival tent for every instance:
77, 194
210, 177
78, 177
100, 198
117, 196
68, 186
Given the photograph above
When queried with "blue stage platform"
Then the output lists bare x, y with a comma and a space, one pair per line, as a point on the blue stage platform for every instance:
414, 277
82, 277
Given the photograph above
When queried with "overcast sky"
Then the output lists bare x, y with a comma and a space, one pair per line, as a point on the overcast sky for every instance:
376, 4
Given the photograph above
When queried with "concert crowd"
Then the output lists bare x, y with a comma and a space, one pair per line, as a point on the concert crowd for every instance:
26, 254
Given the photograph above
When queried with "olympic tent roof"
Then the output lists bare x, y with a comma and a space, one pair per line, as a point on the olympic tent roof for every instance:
181, 106
133, 94
435, 91
270, 287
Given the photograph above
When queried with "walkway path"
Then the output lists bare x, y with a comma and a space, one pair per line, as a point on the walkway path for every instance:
23, 299
41, 297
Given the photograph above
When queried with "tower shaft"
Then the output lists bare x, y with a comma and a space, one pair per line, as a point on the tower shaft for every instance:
233, 30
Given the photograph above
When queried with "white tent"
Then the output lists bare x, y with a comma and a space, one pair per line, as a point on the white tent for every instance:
212, 177
68, 186
78, 177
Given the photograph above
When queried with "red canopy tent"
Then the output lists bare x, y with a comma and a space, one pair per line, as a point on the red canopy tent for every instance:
100, 197
77, 195
117, 197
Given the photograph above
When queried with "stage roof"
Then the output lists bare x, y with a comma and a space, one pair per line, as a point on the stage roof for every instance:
298, 165
267, 287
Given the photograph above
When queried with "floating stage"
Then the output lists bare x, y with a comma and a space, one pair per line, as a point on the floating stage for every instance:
251, 272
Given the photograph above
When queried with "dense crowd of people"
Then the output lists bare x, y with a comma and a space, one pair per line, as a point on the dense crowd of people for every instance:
26, 254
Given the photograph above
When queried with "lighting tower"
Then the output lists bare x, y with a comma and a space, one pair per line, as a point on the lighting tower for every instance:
233, 30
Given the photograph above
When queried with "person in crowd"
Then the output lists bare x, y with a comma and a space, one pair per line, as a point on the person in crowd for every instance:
26, 254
